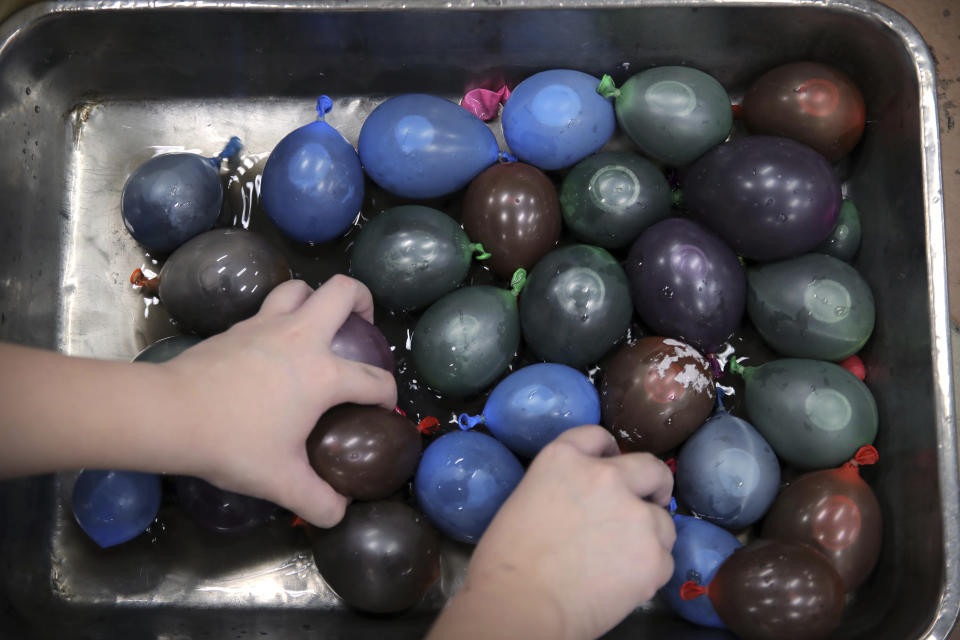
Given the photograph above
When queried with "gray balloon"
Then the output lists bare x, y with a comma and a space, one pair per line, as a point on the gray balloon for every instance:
814, 306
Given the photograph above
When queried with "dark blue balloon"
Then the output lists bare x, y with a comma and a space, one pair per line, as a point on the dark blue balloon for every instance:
532, 406
173, 197
421, 146
700, 549
554, 119
113, 507
219, 510
727, 473
312, 185
463, 479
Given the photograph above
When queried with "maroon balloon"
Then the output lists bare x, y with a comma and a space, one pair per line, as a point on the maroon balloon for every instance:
775, 590
686, 283
360, 341
835, 512
769, 198
656, 392
364, 452
513, 210
810, 102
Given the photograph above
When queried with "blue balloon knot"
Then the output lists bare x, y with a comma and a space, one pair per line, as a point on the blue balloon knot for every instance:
673, 506
506, 157
324, 104
231, 149
468, 422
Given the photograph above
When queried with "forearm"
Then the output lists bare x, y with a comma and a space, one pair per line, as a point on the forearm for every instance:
66, 413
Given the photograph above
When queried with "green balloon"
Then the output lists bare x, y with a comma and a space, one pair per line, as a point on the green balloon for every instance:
674, 114
410, 256
814, 306
466, 339
814, 414
609, 198
844, 240
576, 305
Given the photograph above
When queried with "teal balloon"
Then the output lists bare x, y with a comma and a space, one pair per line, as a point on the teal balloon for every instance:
814, 306
814, 414
576, 305
609, 198
466, 340
674, 114
410, 256
844, 241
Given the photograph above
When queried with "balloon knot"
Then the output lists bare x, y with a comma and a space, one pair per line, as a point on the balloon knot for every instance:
428, 425
607, 88
324, 104
690, 590
737, 368
484, 103
673, 506
400, 411
737, 111
518, 281
865, 456
468, 422
855, 365
505, 157
715, 367
138, 279
677, 197
231, 149
482, 253
299, 522
672, 465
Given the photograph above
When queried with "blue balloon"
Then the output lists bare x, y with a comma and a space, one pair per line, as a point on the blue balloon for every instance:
532, 406
700, 549
312, 185
421, 146
727, 473
463, 479
173, 197
113, 507
555, 119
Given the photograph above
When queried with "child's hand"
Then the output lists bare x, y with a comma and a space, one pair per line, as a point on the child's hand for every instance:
580, 543
252, 395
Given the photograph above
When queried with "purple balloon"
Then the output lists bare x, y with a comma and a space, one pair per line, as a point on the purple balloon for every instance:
686, 283
219, 510
360, 341
769, 198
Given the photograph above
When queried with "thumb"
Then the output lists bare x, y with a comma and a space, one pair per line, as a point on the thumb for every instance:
310, 497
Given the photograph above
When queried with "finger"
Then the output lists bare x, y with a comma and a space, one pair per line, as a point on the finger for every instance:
361, 383
328, 308
590, 440
646, 476
286, 297
310, 497
664, 527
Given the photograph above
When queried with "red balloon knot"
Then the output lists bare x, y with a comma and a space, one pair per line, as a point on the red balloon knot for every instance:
400, 411
866, 455
672, 464
737, 111
855, 365
298, 522
691, 590
428, 425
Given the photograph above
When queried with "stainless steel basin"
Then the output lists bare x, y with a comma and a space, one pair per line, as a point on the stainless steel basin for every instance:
88, 90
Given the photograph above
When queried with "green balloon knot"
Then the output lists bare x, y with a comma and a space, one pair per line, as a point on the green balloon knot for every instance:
737, 368
743, 263
606, 88
482, 254
518, 281
678, 197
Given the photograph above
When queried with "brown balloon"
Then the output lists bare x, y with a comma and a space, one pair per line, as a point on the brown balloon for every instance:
812, 103
776, 590
364, 452
656, 392
513, 210
835, 512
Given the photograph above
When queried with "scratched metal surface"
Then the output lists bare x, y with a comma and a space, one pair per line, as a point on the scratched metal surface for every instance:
90, 90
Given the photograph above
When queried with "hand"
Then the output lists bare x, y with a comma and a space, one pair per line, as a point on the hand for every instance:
582, 541
253, 394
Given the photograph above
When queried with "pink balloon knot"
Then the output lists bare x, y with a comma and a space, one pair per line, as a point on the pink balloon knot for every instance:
484, 103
